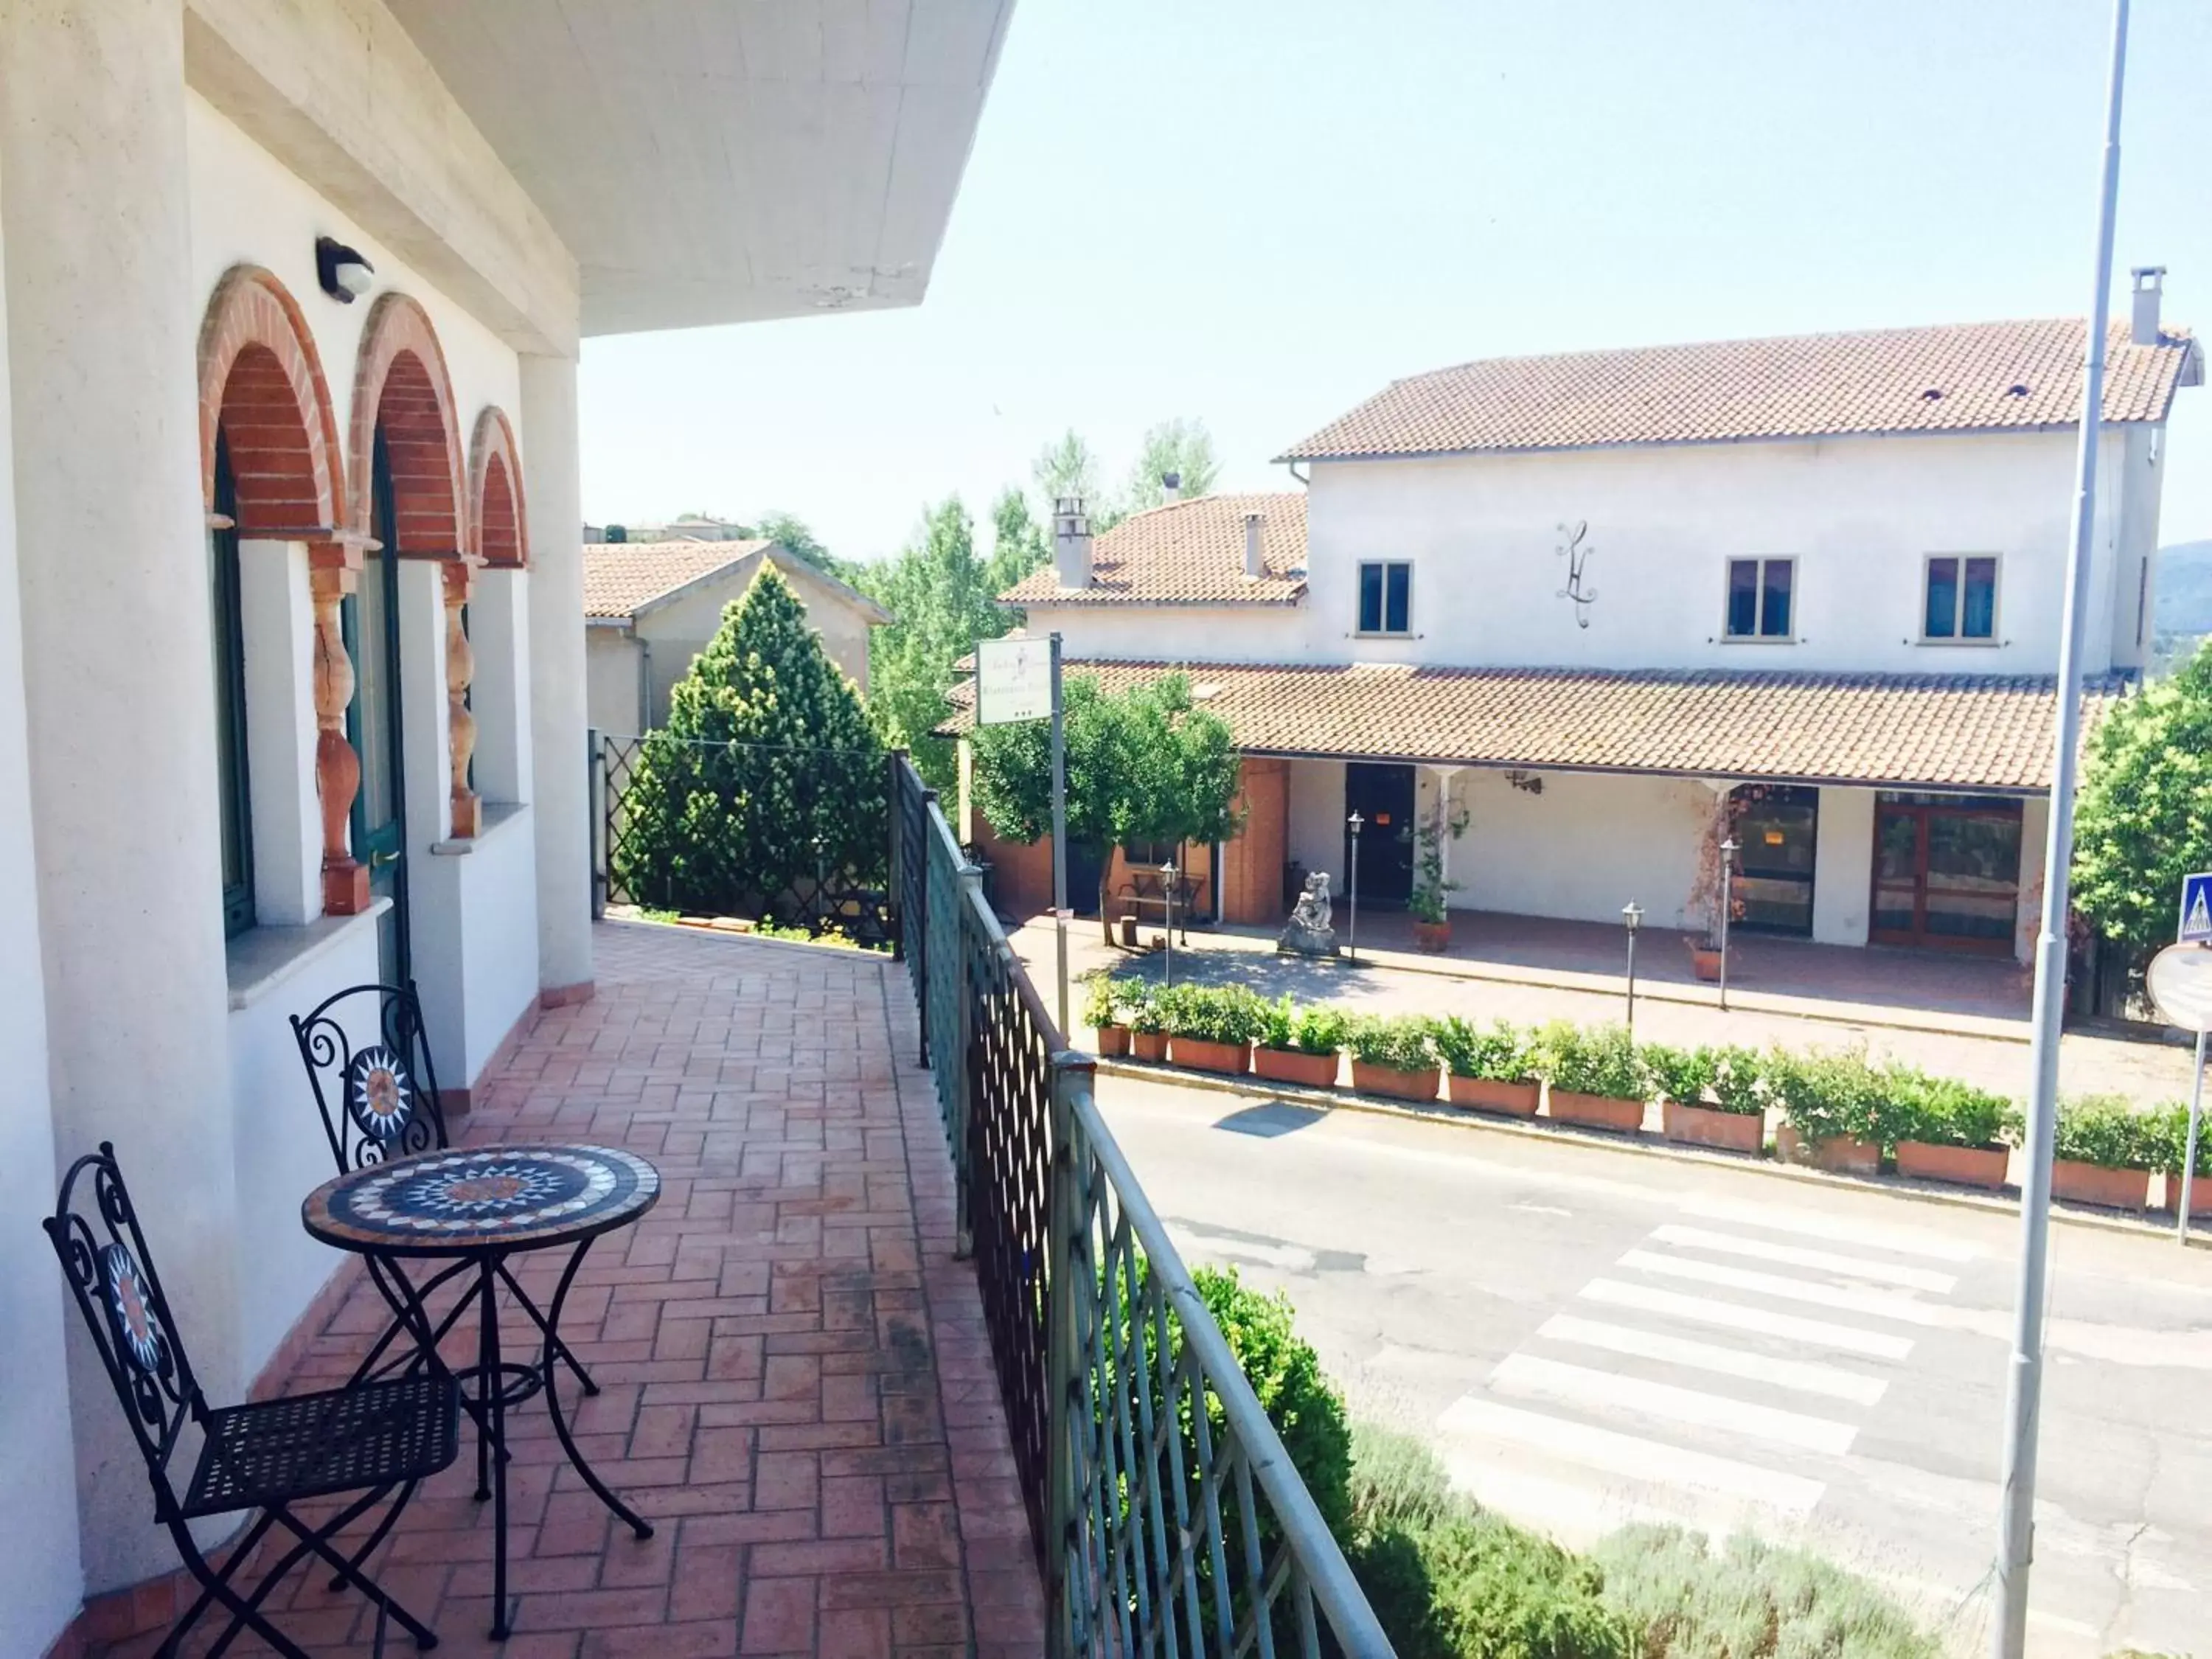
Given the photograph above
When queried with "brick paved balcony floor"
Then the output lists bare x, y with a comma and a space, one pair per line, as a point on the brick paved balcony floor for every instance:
796, 1388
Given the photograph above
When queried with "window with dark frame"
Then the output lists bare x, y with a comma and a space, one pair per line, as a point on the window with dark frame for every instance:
1761, 596
236, 798
1386, 597
1961, 598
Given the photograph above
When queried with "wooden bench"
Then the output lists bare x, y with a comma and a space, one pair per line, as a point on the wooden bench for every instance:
1148, 887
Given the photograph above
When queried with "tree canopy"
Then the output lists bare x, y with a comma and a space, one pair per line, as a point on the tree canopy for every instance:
766, 771
1184, 447
2143, 820
1145, 764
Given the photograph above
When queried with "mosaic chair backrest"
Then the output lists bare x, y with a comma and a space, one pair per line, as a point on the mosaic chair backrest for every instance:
95, 1230
379, 1095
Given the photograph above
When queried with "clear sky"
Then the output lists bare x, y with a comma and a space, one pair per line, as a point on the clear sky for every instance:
1257, 212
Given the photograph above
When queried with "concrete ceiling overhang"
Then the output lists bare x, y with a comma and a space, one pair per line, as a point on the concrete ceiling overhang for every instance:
727, 161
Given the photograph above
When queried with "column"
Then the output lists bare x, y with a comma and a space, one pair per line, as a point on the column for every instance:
560, 808
460, 724
118, 650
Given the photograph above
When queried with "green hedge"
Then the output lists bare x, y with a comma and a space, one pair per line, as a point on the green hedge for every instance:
1498, 1054
1403, 1042
1603, 1060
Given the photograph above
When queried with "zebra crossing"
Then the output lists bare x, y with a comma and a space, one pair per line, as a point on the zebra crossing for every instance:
1713, 1375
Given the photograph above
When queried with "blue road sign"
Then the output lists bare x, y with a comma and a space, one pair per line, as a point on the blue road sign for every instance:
2196, 908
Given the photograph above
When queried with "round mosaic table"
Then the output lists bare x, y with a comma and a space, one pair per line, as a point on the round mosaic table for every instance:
476, 1207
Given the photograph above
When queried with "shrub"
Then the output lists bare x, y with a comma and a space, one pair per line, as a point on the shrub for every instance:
1738, 1082
1600, 1061
2108, 1131
1499, 1055
1278, 1024
2173, 1134
1212, 1013
1827, 1094
1401, 1043
1140, 1002
1322, 1030
1942, 1111
1681, 1074
1100, 1003
1681, 1599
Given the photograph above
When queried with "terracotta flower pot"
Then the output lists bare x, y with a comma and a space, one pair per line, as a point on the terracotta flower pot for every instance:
2093, 1183
1705, 961
2200, 1194
1596, 1111
1399, 1086
1704, 1125
1295, 1065
1148, 1045
1963, 1166
1434, 937
1487, 1094
1113, 1040
1203, 1055
1842, 1155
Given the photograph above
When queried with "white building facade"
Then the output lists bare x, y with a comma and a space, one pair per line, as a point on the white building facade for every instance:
1808, 591
292, 683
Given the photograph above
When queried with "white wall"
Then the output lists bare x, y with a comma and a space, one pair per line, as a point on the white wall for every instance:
278, 625
1843, 866
41, 1577
498, 636
1859, 514
1317, 813
475, 943
1178, 633
1583, 848
611, 667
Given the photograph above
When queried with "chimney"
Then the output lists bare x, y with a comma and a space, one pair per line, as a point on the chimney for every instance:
1071, 541
2150, 280
1170, 488
1254, 566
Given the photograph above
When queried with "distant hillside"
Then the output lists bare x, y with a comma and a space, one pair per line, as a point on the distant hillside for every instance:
2184, 588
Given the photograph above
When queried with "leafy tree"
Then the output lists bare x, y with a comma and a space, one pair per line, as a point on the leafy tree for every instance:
1068, 467
1145, 765
1184, 447
2143, 820
790, 532
1022, 544
766, 770
944, 598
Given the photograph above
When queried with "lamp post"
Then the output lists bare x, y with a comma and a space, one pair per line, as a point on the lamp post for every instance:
1730, 848
1356, 823
1631, 917
1167, 934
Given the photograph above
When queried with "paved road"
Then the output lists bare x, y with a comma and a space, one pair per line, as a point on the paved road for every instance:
1590, 1337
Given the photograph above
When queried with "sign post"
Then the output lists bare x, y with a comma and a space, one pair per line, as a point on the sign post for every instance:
1018, 680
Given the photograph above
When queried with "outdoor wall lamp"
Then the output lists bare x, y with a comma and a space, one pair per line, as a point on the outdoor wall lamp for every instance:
344, 275
1730, 848
1355, 823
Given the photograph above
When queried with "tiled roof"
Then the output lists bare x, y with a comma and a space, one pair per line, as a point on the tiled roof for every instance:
1188, 553
1981, 732
1984, 376
621, 577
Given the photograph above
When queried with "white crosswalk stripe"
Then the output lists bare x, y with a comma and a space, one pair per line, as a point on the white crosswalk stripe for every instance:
1647, 1411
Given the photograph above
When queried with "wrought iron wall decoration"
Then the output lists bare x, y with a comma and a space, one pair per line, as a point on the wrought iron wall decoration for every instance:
1577, 557
1529, 782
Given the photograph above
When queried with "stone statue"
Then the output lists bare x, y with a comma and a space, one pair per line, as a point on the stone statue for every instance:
1310, 931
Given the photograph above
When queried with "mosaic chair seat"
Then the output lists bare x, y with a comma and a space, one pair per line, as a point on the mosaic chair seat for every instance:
376, 1439
368, 1057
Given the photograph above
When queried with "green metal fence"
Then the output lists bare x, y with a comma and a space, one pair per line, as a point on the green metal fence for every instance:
1168, 1517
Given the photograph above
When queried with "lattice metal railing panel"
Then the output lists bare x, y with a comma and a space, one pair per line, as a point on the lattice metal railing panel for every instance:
910, 832
800, 837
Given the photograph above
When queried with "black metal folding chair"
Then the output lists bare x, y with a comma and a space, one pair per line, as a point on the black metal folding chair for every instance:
379, 1100
369, 1438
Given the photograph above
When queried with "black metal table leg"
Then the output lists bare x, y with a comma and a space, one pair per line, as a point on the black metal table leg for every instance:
492, 1440
642, 1528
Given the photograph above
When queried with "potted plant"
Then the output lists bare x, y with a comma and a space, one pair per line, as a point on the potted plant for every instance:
2174, 1153
1491, 1070
1211, 1027
1298, 1045
1711, 888
1148, 1029
1946, 1130
1103, 998
1427, 905
2105, 1151
1831, 1108
1596, 1078
1709, 1097
1393, 1054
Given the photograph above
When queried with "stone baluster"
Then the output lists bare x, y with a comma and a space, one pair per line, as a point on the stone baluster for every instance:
335, 572
460, 724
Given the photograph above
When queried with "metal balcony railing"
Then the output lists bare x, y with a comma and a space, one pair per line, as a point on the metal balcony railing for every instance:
1167, 1515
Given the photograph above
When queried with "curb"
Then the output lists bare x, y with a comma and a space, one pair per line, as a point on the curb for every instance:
1640, 1146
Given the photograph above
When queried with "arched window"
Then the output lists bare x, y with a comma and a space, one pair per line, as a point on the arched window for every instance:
223, 590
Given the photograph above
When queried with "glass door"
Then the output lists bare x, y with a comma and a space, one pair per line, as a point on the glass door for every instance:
1946, 871
1383, 798
1776, 827
371, 617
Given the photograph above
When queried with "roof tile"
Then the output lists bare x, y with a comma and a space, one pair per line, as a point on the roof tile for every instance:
621, 578
1188, 553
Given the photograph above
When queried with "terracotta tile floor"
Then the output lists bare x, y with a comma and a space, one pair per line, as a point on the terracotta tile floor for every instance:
796, 1388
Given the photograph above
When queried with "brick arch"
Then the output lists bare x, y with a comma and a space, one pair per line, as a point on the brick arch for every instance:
262, 387
498, 524
400, 381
